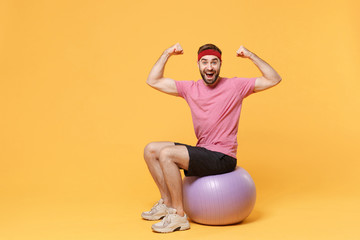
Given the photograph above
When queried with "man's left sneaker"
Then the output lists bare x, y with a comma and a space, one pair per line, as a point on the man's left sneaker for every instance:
158, 211
171, 222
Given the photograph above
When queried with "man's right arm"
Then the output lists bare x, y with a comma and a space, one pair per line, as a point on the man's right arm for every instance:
156, 77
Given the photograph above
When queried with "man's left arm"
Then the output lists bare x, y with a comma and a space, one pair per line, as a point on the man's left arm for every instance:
269, 76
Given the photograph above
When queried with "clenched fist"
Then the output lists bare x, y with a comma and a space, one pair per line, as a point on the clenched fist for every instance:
243, 52
174, 50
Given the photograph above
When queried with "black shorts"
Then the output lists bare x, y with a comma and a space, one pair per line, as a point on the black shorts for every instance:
204, 162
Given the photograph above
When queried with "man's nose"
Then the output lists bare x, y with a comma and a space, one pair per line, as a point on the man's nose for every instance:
209, 66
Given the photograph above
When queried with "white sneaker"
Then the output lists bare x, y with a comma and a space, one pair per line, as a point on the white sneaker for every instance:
158, 211
171, 222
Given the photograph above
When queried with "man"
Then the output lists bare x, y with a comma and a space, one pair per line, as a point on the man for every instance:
215, 104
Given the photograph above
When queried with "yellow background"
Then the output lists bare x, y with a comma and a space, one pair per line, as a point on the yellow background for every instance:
75, 114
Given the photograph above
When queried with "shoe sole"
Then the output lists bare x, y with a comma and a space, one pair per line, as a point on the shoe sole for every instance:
169, 230
153, 218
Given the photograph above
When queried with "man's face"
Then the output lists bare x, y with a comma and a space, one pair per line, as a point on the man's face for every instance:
209, 66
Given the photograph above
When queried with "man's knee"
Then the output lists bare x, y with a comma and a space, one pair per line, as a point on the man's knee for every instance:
166, 155
150, 148
154, 148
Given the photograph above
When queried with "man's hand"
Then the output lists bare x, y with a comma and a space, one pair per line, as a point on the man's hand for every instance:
174, 50
243, 52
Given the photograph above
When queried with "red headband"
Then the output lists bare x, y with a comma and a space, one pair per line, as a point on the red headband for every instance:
209, 52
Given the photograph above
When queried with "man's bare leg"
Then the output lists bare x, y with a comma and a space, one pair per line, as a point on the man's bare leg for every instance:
151, 156
171, 159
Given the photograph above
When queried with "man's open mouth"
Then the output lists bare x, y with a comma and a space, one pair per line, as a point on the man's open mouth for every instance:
209, 75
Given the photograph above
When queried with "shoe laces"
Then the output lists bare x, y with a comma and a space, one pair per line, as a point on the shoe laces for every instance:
155, 207
168, 218
171, 213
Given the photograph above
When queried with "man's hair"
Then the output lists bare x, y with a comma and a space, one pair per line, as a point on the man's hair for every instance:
209, 46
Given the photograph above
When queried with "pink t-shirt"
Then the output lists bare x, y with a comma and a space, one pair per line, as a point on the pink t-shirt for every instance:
216, 111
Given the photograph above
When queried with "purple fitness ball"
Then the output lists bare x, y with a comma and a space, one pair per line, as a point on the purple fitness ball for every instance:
219, 199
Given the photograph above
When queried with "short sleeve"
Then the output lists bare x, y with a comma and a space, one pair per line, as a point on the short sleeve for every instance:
245, 86
183, 87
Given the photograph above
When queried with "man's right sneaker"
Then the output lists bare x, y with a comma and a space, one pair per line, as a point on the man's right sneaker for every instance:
171, 222
158, 211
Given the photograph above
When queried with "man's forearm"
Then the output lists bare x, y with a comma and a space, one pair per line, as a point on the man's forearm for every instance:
157, 72
267, 71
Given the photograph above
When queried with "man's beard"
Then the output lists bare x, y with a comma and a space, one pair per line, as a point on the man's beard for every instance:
203, 75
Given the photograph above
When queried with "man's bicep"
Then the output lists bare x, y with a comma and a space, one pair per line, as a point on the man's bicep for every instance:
166, 85
262, 83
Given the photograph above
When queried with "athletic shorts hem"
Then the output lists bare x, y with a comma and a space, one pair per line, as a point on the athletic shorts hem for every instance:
204, 162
